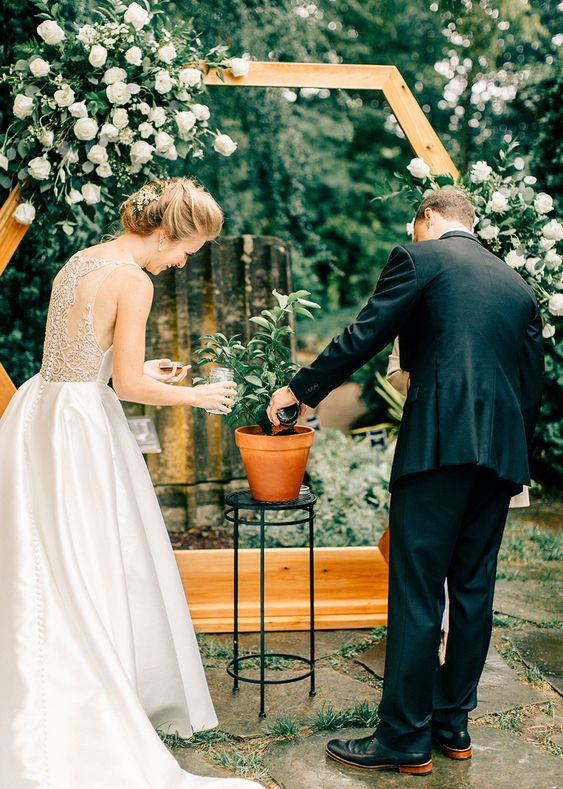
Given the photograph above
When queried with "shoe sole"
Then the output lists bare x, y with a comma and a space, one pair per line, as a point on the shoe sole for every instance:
411, 769
453, 753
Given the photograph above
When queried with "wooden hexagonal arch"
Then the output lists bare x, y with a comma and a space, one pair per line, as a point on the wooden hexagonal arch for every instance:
412, 120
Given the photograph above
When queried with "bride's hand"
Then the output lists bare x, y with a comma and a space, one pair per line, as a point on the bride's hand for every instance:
178, 373
215, 397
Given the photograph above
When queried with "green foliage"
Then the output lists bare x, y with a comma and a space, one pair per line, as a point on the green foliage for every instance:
262, 365
285, 727
248, 765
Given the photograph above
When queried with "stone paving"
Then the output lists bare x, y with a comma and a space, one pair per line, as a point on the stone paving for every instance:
517, 728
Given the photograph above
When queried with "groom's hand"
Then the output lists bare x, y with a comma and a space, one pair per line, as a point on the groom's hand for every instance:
283, 398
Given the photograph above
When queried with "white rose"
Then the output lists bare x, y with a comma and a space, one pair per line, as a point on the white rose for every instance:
171, 153
91, 193
72, 156
190, 76
78, 109
140, 152
104, 170
97, 154
167, 53
50, 32
114, 74
86, 35
552, 259
74, 196
515, 260
39, 67
185, 121
239, 66
546, 243
555, 304
157, 116
64, 96
23, 106
110, 131
3, 162
39, 168
145, 130
163, 82
489, 232
24, 213
46, 137
201, 111
498, 203
137, 16
409, 228
118, 93
224, 145
418, 168
553, 231
480, 171
548, 331
163, 141
144, 108
134, 56
120, 118
543, 203
98, 56
85, 129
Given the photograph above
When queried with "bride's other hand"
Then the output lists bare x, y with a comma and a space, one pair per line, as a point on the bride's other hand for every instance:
178, 373
215, 397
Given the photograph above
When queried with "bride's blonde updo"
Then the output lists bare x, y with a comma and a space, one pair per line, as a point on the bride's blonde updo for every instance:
179, 205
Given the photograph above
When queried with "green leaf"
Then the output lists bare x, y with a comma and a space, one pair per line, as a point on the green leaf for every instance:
253, 379
281, 298
261, 322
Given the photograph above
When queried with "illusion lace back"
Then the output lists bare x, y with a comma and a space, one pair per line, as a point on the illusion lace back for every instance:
72, 351
98, 648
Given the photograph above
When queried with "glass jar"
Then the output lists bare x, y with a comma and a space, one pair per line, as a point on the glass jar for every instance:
217, 375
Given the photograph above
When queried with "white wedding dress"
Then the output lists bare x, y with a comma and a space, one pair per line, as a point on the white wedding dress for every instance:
98, 648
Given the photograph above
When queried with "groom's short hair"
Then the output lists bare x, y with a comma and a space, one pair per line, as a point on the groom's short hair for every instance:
450, 204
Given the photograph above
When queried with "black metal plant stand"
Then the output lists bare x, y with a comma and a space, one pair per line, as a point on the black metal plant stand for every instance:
304, 508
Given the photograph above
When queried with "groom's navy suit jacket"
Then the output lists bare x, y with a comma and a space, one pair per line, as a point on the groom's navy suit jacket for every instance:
470, 336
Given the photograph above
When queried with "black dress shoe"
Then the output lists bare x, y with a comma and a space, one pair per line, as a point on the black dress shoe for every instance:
370, 754
455, 745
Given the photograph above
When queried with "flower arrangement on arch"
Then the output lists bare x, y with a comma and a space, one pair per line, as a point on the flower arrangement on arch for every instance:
101, 108
512, 220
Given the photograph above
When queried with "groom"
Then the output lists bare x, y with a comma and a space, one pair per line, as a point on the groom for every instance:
471, 338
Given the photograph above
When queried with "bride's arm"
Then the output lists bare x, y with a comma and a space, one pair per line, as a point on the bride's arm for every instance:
134, 299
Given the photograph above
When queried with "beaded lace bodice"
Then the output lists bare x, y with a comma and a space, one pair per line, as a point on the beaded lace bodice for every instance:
72, 351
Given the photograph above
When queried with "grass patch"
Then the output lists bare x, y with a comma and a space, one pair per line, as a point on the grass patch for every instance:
272, 663
247, 765
213, 649
505, 620
329, 719
209, 738
509, 654
533, 675
173, 740
285, 727
510, 721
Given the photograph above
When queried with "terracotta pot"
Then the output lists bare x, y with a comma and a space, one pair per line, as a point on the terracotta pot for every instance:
274, 465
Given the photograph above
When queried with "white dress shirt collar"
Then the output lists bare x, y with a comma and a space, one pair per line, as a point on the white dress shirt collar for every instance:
457, 228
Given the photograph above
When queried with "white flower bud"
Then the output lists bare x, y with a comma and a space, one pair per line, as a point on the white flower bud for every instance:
24, 213
51, 32
98, 56
224, 145
418, 169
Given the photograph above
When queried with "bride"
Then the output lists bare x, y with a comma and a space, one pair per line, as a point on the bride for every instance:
98, 646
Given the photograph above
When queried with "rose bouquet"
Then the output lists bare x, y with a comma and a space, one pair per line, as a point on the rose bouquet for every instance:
512, 220
104, 107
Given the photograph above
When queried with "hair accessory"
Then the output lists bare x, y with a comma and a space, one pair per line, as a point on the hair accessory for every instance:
146, 195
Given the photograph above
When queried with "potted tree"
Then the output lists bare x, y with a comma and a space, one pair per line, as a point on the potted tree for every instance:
274, 460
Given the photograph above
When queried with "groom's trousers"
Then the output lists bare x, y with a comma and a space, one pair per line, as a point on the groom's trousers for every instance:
444, 523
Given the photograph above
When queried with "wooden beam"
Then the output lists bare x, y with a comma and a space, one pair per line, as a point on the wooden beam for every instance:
350, 588
11, 232
7, 389
305, 75
417, 128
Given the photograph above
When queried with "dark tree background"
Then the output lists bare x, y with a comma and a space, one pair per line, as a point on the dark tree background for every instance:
310, 162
